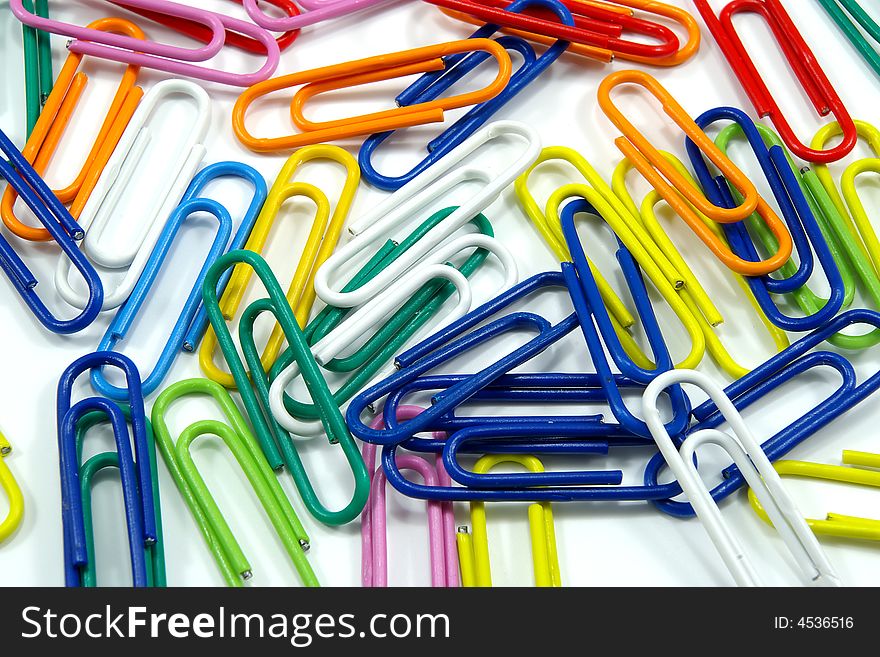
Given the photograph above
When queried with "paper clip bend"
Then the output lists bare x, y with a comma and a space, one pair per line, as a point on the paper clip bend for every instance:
430, 85
164, 57
855, 22
115, 181
323, 237
373, 228
754, 465
441, 518
410, 304
154, 554
278, 446
204, 33
364, 71
319, 10
13, 492
59, 107
473, 549
855, 470
38, 76
128, 312
775, 372
803, 227
234, 432
20, 176
800, 58
135, 467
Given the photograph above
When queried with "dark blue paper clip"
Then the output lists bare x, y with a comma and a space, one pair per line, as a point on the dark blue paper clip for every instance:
783, 367
135, 469
63, 228
599, 332
196, 188
431, 85
128, 312
805, 231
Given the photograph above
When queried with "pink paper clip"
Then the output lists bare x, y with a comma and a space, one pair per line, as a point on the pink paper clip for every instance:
441, 518
319, 10
159, 56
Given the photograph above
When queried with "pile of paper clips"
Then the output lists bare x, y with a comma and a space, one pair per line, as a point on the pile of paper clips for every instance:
391, 306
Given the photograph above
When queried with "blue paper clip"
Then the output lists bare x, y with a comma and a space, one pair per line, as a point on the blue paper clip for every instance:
431, 85
796, 211
64, 230
783, 367
128, 312
196, 188
135, 469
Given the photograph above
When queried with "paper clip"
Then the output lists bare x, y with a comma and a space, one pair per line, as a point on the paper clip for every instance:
441, 519
578, 9
323, 236
430, 85
854, 471
473, 549
234, 432
419, 296
20, 176
850, 17
48, 131
803, 226
13, 493
115, 181
277, 446
376, 226
38, 76
205, 34
800, 58
757, 470
365, 71
692, 292
154, 554
127, 314
681, 195
319, 10
135, 468
775, 372
164, 57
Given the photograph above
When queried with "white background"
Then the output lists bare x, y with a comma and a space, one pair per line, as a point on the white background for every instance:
599, 544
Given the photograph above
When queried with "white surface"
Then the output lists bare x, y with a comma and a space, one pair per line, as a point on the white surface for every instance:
599, 544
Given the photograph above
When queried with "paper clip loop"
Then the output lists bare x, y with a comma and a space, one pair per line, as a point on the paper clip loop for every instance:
377, 225
473, 549
234, 432
13, 493
164, 57
19, 174
364, 71
276, 445
323, 236
754, 466
800, 58
43, 141
115, 181
319, 10
431, 85
441, 518
854, 471
135, 467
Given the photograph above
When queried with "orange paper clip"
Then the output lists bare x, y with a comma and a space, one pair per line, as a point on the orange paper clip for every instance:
681, 194
53, 121
365, 71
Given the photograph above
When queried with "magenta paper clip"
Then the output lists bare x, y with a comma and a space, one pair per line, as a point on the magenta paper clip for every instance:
163, 57
441, 518
319, 10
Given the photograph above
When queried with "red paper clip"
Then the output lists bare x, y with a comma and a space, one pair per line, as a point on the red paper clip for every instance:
802, 61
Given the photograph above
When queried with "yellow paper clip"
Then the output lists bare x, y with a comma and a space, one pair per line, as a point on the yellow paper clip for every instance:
13, 493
